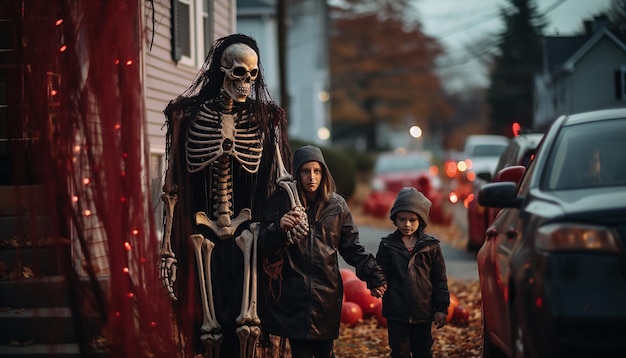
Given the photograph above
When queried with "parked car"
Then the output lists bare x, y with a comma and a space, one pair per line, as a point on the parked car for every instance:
552, 270
395, 170
520, 150
478, 160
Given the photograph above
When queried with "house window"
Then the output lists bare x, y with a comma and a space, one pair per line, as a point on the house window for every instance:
191, 31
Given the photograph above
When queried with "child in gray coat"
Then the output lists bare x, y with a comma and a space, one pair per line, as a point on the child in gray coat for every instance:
417, 287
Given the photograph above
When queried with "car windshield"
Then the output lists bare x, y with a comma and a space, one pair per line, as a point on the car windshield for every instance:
399, 163
487, 150
588, 155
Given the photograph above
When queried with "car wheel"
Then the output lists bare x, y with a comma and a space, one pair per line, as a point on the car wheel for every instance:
489, 349
519, 343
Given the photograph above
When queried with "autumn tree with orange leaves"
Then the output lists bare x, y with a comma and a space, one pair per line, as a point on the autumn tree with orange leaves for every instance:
382, 70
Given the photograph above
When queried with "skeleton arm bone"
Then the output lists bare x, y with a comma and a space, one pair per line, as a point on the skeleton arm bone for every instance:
285, 180
170, 198
168, 258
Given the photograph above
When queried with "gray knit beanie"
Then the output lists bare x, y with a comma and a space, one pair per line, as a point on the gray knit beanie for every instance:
412, 200
306, 154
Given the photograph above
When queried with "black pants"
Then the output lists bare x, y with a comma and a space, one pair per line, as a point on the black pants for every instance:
408, 340
311, 349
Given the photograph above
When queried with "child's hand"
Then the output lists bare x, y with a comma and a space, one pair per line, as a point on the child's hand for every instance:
378, 291
440, 319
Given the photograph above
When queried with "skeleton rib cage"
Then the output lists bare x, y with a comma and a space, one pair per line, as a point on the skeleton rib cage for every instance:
213, 134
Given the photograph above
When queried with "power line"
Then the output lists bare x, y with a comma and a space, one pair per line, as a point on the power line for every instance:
469, 55
487, 17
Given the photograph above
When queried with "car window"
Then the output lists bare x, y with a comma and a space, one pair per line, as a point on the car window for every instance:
588, 155
487, 150
390, 164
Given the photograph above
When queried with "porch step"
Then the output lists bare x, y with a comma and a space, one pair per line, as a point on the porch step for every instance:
40, 350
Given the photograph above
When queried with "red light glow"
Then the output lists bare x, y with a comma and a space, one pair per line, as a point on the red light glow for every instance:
450, 168
517, 128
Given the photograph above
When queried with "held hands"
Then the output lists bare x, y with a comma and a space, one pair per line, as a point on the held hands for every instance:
378, 291
168, 274
295, 224
440, 319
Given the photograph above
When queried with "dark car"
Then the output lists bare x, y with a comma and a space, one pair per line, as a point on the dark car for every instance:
520, 150
395, 170
552, 270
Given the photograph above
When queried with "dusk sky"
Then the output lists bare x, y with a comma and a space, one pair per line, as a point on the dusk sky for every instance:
467, 27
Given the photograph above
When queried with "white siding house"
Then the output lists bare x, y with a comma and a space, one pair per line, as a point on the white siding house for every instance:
167, 71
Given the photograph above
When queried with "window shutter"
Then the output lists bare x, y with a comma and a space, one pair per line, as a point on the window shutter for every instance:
177, 35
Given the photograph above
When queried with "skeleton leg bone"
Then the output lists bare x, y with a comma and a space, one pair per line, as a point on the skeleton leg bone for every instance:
210, 329
248, 318
248, 335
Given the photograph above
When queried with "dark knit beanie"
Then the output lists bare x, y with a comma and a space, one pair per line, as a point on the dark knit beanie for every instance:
412, 200
306, 154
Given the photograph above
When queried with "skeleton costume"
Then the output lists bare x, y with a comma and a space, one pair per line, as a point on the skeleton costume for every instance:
224, 135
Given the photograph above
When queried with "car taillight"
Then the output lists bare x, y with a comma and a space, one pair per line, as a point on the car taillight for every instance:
450, 168
573, 237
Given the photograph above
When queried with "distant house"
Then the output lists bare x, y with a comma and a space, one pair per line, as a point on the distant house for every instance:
308, 81
581, 73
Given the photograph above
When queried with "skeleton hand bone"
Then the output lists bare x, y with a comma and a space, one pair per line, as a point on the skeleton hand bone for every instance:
297, 233
296, 224
168, 274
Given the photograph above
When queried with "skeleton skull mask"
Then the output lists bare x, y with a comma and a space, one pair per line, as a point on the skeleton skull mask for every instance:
240, 64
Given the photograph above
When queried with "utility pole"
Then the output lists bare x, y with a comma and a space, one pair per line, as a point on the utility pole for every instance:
282, 53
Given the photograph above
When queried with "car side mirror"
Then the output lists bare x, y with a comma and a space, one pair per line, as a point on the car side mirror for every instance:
485, 176
499, 195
